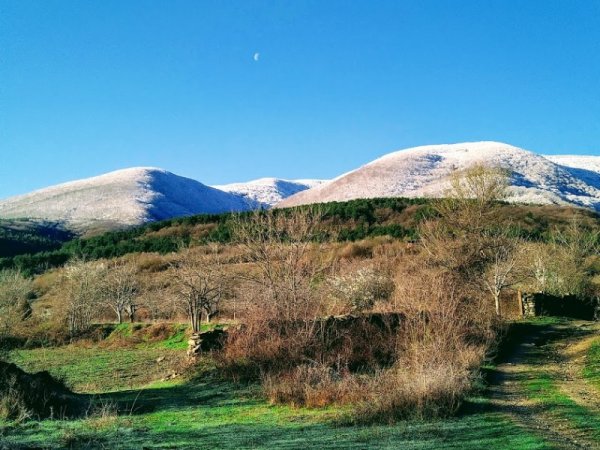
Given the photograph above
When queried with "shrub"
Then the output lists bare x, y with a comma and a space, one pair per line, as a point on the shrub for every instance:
361, 288
313, 386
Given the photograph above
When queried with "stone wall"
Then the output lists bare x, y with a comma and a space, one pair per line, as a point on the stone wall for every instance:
565, 306
206, 341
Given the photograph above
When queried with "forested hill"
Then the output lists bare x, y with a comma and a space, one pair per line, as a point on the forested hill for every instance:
342, 221
22, 236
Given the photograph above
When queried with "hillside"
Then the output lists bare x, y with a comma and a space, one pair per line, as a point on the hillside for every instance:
20, 236
120, 199
267, 192
354, 220
424, 172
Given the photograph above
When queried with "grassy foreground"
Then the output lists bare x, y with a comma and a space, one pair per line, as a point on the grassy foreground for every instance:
208, 413
217, 415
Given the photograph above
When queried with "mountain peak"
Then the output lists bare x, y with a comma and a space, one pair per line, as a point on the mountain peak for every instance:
120, 198
424, 172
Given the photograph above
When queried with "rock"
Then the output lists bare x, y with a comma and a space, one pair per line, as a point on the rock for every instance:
171, 376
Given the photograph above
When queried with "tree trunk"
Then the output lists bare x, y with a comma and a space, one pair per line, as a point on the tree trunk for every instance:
497, 301
520, 302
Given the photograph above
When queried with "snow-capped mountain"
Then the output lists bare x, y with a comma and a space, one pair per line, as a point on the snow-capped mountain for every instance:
139, 195
424, 172
121, 198
267, 192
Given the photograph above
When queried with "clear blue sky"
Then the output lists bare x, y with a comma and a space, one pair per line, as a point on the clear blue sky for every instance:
91, 86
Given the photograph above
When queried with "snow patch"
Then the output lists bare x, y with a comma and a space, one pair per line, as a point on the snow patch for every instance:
267, 192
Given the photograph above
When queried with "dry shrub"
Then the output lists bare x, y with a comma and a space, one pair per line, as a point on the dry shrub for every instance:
420, 364
430, 389
103, 415
152, 263
359, 343
428, 364
389, 249
158, 332
261, 346
314, 385
447, 334
357, 250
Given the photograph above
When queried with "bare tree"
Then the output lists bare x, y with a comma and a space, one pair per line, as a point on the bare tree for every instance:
199, 283
473, 196
469, 239
503, 254
565, 266
119, 290
278, 246
83, 294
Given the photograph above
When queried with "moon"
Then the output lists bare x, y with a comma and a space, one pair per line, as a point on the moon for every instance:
256, 56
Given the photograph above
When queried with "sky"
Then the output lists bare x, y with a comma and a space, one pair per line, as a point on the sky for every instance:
224, 91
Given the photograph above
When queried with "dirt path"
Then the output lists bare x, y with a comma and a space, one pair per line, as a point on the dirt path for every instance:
572, 353
544, 374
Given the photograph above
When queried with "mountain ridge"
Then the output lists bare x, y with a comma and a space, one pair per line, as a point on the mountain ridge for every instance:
138, 195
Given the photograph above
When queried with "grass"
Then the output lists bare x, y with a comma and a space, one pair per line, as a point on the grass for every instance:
208, 413
219, 415
98, 369
544, 389
591, 370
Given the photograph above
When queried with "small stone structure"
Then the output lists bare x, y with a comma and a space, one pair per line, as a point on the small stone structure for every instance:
527, 302
538, 304
206, 341
194, 345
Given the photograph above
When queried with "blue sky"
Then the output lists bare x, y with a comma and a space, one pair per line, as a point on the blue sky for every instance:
91, 86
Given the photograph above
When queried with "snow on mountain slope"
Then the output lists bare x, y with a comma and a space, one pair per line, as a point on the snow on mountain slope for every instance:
591, 163
121, 198
266, 192
424, 172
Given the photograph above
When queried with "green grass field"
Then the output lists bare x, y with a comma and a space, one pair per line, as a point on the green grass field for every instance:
206, 412
212, 414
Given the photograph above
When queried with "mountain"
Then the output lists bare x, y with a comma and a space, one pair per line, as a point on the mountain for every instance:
267, 192
424, 172
121, 198
144, 194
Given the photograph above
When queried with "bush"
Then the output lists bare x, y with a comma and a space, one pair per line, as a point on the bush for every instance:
361, 288
313, 386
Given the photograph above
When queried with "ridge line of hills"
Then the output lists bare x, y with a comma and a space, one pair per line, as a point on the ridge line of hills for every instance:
135, 196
